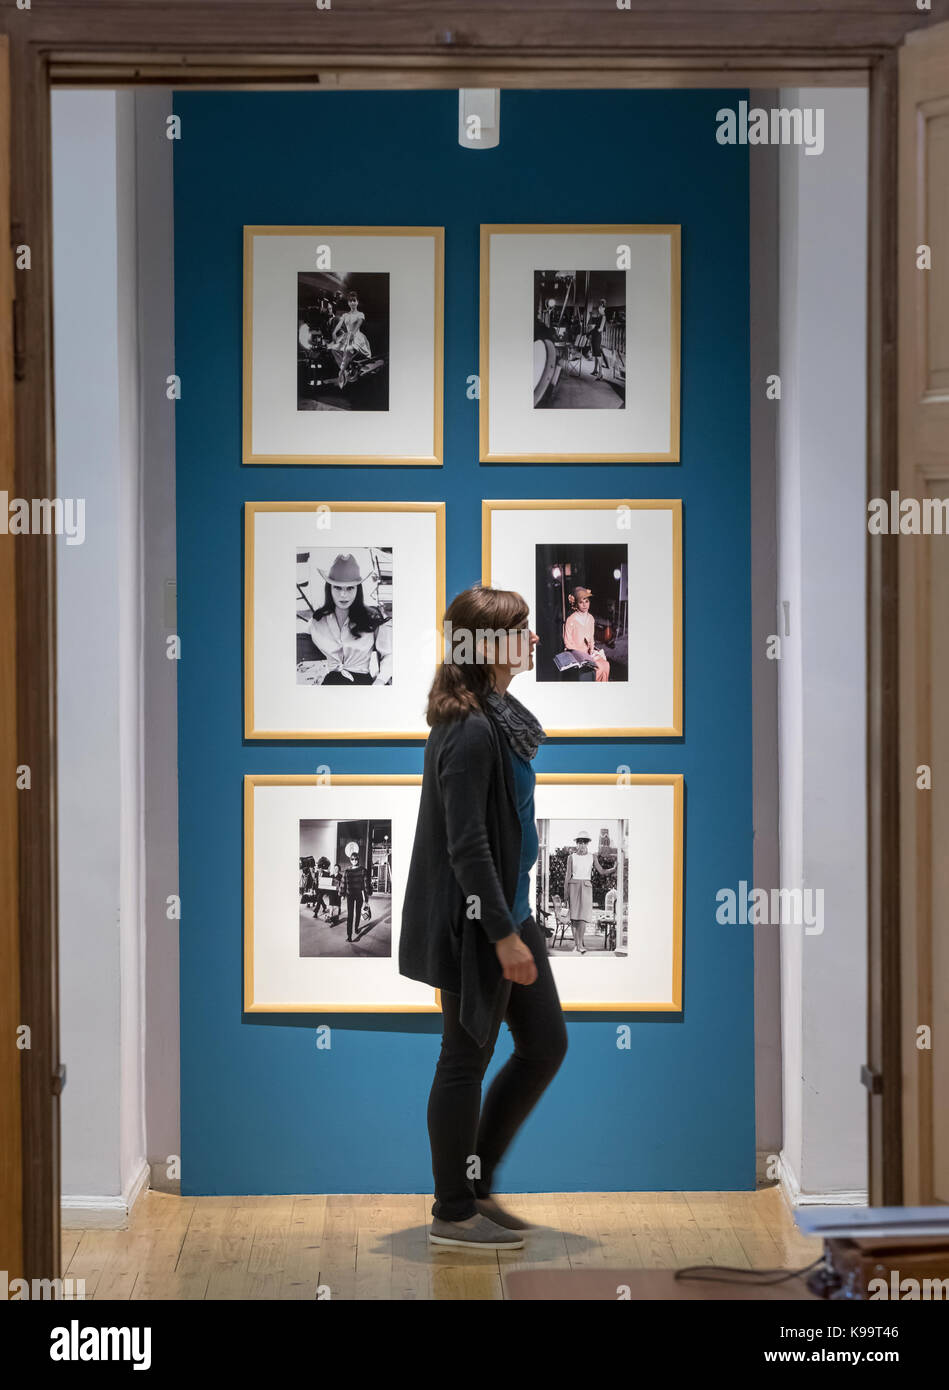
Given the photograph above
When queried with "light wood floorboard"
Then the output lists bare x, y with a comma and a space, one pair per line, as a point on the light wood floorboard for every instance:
375, 1246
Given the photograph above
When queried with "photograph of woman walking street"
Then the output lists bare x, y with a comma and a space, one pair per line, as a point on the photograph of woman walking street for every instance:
345, 883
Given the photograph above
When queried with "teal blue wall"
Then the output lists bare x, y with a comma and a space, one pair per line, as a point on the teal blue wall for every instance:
262, 1110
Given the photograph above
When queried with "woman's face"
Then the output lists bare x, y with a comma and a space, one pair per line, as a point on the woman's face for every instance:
583, 604
582, 847
521, 644
343, 594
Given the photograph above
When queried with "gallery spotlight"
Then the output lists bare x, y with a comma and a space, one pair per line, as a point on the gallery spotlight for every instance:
479, 117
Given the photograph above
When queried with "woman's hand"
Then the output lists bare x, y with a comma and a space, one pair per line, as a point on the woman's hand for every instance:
516, 959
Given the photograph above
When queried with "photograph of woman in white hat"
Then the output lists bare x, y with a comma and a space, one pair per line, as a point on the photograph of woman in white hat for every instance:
578, 887
348, 637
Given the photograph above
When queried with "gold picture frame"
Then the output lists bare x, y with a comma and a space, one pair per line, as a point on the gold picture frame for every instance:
251, 1004
491, 507
579, 455
253, 510
674, 779
434, 458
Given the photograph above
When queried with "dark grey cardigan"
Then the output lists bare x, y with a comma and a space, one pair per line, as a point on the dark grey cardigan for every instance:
462, 878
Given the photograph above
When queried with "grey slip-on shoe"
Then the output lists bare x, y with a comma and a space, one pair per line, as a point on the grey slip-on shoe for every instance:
480, 1234
488, 1207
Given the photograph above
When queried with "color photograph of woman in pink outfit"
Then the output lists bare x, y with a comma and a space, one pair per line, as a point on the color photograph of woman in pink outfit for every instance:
582, 612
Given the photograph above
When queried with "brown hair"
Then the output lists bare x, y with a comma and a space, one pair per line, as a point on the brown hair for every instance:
461, 684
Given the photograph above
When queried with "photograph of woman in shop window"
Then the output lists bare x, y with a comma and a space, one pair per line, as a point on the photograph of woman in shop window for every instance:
467, 927
353, 642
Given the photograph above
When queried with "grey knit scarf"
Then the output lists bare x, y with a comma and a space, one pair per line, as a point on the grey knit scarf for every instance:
521, 728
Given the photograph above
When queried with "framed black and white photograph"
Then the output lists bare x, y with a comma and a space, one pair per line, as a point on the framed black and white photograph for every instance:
582, 886
606, 890
343, 333
579, 324
603, 581
346, 887
343, 602
325, 862
343, 345
580, 343
344, 615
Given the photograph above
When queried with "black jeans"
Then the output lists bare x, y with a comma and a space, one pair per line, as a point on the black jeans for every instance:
459, 1127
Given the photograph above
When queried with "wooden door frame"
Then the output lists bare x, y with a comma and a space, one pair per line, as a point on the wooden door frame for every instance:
11, 1176
428, 43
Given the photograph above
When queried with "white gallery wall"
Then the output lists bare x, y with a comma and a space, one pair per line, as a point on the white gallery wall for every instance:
763, 343
99, 654
118, 790
822, 671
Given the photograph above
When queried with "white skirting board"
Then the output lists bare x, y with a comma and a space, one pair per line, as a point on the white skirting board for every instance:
858, 1197
104, 1213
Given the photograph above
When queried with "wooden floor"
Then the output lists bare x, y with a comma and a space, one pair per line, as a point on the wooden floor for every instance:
376, 1247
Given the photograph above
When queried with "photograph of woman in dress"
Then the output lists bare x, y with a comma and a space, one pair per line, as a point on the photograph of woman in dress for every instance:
345, 640
348, 338
343, 340
583, 893
597, 329
578, 887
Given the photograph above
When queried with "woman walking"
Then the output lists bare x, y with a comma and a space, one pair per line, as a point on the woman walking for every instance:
467, 927
356, 888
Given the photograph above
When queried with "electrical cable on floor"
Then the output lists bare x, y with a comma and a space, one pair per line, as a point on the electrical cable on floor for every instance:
711, 1273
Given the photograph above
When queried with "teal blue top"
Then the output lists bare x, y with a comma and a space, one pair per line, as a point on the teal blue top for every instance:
524, 791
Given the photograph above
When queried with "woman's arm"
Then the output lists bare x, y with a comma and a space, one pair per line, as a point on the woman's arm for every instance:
568, 876
464, 771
